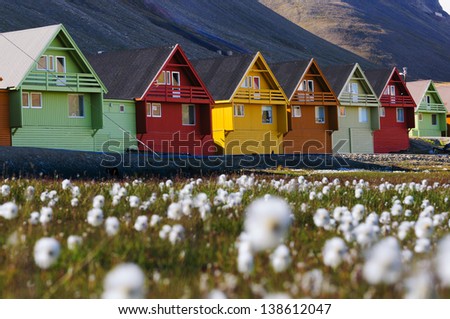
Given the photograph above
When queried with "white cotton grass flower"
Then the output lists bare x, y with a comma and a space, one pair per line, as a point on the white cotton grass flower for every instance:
141, 223
421, 285
176, 234
358, 212
46, 252
124, 281
112, 226
95, 217
334, 252
154, 220
443, 261
385, 218
134, 201
74, 242
403, 229
409, 200
245, 260
74, 202
9, 210
29, 193
174, 211
424, 227
98, 201
358, 193
46, 215
396, 210
280, 259
216, 294
66, 184
312, 282
423, 245
164, 232
384, 262
266, 223
76, 191
5, 190
365, 234
321, 218
34, 218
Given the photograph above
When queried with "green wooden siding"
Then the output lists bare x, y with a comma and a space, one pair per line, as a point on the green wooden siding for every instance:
353, 136
119, 128
425, 128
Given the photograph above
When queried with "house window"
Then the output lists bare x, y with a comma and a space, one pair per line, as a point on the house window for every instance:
42, 63
247, 83
239, 110
60, 68
310, 86
188, 114
176, 78
36, 100
266, 114
122, 108
51, 63
76, 105
400, 115
420, 116
320, 114
427, 99
354, 91
382, 112
148, 107
296, 111
25, 100
363, 115
302, 86
156, 109
433, 119
161, 78
342, 111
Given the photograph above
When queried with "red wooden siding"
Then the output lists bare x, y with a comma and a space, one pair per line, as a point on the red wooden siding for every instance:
167, 134
5, 131
392, 135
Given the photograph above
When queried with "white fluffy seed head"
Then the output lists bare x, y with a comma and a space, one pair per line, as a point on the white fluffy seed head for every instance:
74, 241
46, 252
95, 217
112, 226
125, 281
9, 210
334, 252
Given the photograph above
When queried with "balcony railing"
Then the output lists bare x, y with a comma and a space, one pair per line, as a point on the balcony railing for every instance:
72, 82
259, 96
403, 101
187, 94
432, 107
358, 99
314, 98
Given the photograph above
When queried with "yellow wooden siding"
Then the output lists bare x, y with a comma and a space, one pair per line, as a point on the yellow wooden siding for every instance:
245, 142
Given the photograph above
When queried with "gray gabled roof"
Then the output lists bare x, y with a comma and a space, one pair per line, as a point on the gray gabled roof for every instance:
290, 73
418, 89
222, 75
128, 73
20, 50
444, 92
379, 79
338, 75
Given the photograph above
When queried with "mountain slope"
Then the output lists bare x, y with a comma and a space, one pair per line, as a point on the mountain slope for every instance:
202, 27
412, 33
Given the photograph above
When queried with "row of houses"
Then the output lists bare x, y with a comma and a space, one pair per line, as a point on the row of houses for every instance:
157, 100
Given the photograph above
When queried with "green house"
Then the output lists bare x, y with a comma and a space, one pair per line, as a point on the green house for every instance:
430, 113
358, 114
55, 97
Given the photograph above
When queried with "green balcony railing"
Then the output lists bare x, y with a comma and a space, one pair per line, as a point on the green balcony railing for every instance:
358, 99
66, 82
432, 107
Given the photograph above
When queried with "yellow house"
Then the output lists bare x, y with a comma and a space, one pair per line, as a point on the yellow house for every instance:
249, 115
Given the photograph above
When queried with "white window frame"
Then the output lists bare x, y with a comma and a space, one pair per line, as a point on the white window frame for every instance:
239, 110
296, 111
397, 115
317, 113
187, 106
361, 111
121, 108
302, 86
84, 107
247, 82
267, 108
310, 87
155, 106
148, 109
164, 74
39, 67
30, 100
382, 111
345, 111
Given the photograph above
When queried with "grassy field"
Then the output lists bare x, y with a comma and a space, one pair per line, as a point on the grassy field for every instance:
202, 260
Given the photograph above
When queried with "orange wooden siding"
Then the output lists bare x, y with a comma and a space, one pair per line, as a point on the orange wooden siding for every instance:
5, 131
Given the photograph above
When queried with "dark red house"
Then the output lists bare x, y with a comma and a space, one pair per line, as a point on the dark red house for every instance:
173, 114
396, 113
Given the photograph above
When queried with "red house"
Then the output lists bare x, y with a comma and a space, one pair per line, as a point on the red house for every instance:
396, 113
173, 114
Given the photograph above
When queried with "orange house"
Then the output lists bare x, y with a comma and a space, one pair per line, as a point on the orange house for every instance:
5, 130
313, 107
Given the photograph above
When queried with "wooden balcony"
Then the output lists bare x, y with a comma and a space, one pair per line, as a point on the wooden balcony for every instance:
313, 98
259, 96
397, 101
182, 94
64, 82
432, 108
351, 99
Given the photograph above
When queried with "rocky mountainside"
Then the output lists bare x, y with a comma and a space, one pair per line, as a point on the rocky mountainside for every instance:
411, 33
202, 27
